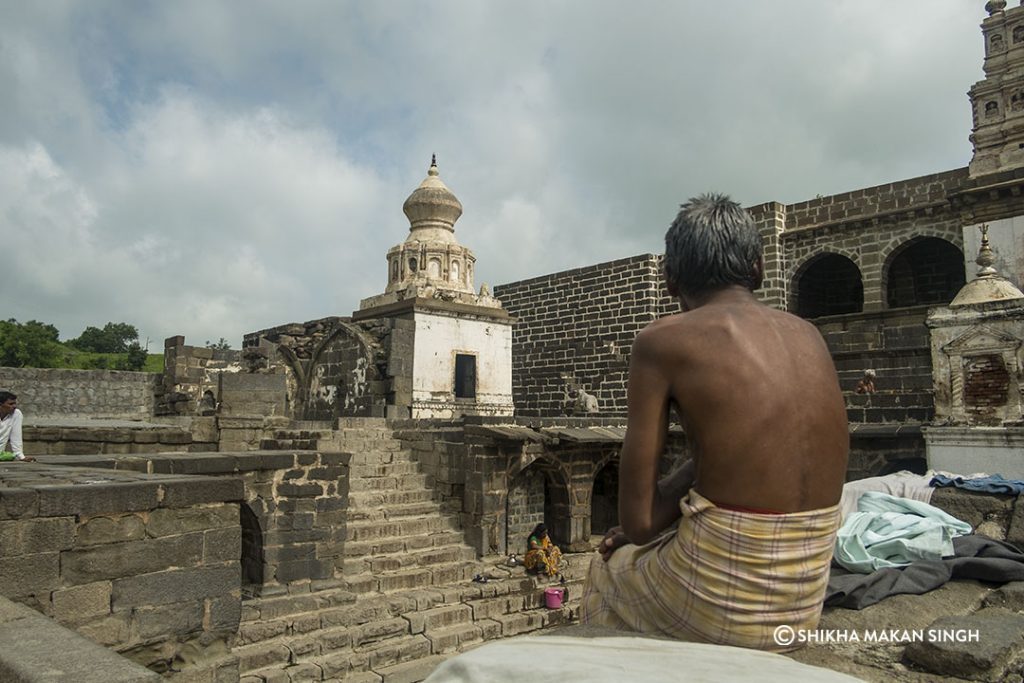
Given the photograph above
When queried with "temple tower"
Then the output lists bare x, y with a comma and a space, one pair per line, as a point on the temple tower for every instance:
450, 349
997, 101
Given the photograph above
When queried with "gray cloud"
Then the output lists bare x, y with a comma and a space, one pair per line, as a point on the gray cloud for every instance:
200, 169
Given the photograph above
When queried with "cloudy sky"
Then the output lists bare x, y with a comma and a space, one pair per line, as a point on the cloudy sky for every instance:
211, 168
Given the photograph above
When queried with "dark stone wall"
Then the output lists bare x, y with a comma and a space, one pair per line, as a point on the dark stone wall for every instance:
575, 330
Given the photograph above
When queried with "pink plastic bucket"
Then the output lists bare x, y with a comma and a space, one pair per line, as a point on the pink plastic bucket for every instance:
553, 597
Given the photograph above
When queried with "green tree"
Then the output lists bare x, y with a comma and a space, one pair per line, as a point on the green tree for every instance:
221, 345
134, 358
113, 338
29, 345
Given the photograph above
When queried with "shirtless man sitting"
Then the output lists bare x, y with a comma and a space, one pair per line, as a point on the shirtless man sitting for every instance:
759, 400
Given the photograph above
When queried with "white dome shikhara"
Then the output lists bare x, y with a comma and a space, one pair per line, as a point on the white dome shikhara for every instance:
430, 255
430, 263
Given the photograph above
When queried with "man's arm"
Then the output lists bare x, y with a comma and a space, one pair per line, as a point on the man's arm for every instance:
645, 507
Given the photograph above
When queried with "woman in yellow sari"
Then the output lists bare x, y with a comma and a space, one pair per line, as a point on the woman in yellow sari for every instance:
541, 553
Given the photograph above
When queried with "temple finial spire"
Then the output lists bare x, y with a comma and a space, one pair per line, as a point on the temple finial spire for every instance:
433, 165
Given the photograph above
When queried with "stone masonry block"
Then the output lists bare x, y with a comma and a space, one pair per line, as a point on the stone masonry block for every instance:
36, 535
173, 521
222, 545
178, 619
113, 529
176, 585
119, 560
203, 490
56, 501
79, 604
225, 613
16, 503
29, 574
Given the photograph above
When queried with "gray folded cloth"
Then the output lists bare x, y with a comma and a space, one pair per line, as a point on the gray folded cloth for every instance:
974, 557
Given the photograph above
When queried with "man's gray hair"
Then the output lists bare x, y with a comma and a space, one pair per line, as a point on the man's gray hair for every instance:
712, 243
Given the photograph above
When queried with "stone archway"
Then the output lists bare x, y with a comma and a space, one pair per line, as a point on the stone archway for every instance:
923, 270
604, 500
828, 284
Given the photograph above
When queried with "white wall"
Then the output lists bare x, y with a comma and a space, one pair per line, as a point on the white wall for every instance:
438, 338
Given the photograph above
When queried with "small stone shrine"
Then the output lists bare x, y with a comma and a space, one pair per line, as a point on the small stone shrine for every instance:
461, 342
977, 345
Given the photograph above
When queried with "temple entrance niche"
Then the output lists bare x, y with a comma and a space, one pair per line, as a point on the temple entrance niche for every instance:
926, 270
534, 497
604, 501
829, 284
339, 378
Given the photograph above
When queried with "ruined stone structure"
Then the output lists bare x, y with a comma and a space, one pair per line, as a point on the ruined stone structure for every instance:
353, 538
428, 347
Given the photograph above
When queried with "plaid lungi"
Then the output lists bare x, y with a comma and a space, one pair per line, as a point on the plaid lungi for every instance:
723, 577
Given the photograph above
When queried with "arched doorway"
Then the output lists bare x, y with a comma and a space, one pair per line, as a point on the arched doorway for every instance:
830, 284
926, 270
604, 500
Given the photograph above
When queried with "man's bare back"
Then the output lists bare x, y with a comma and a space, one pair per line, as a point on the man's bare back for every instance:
760, 403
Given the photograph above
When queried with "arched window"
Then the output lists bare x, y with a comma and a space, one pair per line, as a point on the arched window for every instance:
926, 270
434, 268
828, 285
455, 271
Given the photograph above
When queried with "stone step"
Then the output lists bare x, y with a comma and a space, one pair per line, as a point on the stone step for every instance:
376, 498
406, 672
440, 617
390, 469
361, 423
382, 512
412, 578
369, 530
385, 546
406, 482
288, 445
273, 653
402, 560
391, 652
453, 638
360, 446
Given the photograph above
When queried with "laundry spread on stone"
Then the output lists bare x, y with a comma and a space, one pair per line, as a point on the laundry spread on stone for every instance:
723, 577
974, 557
903, 484
888, 531
992, 483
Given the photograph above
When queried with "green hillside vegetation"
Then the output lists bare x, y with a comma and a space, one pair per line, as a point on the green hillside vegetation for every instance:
35, 344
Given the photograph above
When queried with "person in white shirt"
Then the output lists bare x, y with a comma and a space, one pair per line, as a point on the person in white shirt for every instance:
10, 426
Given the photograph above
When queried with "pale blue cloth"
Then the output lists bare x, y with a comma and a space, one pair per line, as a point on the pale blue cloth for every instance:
887, 531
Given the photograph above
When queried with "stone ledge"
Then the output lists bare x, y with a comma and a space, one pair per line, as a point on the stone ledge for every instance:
29, 655
45, 490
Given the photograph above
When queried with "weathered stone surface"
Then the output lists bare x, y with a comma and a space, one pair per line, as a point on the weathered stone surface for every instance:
179, 618
81, 603
972, 507
110, 529
39, 639
1009, 596
222, 545
170, 522
119, 560
203, 490
995, 640
103, 497
29, 574
36, 535
175, 585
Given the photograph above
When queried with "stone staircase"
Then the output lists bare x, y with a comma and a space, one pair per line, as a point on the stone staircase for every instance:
407, 599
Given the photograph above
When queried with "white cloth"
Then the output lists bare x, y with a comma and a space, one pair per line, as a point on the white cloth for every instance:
567, 659
887, 531
900, 484
10, 434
